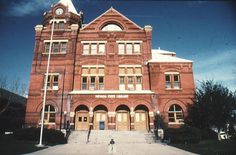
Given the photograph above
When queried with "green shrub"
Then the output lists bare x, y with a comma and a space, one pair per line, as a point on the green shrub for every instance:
50, 136
53, 136
183, 135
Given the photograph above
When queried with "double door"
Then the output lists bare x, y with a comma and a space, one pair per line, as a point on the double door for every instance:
82, 121
122, 121
140, 121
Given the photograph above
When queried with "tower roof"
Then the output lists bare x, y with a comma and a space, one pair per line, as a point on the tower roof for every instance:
70, 5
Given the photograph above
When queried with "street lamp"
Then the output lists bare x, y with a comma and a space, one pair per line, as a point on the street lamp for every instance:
45, 86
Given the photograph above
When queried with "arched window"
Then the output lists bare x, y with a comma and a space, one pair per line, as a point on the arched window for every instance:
111, 27
49, 114
175, 114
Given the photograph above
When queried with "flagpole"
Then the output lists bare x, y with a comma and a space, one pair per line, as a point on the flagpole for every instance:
45, 86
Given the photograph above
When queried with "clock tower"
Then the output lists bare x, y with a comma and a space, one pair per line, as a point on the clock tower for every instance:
67, 24
63, 12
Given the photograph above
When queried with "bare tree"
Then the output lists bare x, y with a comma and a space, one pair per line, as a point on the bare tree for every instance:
15, 87
3, 81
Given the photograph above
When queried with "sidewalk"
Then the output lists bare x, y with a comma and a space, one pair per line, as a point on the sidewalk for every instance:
121, 149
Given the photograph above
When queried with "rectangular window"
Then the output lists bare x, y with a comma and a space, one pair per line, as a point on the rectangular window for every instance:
129, 48
176, 84
92, 83
55, 82
121, 48
84, 83
101, 83
122, 80
138, 83
63, 47
55, 26
130, 80
101, 48
93, 48
172, 80
61, 25
86, 48
138, 80
47, 47
52, 82
55, 47
168, 81
137, 48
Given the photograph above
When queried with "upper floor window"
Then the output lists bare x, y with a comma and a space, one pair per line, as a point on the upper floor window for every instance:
172, 80
130, 77
93, 48
59, 26
175, 114
121, 48
92, 78
111, 27
58, 47
52, 81
129, 47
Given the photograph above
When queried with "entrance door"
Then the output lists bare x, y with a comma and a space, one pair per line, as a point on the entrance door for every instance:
82, 121
100, 122
122, 121
140, 121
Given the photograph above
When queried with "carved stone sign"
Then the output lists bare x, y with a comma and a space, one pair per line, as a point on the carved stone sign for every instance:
111, 96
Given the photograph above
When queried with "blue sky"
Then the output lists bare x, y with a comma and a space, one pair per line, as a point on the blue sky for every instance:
204, 32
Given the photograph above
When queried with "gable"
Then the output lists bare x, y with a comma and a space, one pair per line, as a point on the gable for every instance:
112, 16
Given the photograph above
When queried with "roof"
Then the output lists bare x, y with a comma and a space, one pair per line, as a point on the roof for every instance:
70, 5
112, 9
164, 52
159, 55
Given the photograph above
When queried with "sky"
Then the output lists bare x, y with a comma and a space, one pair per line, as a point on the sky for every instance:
202, 31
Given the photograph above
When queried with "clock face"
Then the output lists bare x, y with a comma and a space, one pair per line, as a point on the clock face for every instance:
59, 11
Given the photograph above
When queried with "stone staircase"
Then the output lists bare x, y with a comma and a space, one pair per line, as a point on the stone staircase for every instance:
104, 136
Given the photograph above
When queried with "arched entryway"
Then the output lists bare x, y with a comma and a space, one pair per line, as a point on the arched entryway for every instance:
122, 118
100, 118
82, 118
141, 118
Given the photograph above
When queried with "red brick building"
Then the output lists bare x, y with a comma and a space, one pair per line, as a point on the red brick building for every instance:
105, 74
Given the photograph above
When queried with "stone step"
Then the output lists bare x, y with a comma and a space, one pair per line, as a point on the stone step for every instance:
104, 136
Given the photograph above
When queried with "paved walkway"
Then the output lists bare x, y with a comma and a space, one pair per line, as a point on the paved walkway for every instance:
126, 143
121, 149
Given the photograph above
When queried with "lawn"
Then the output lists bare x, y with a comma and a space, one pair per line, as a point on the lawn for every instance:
11, 146
210, 147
